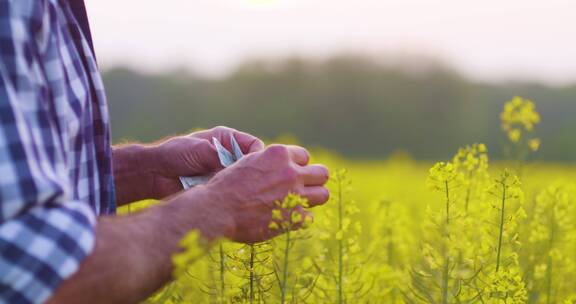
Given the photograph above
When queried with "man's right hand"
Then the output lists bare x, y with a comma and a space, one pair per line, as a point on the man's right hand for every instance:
237, 203
243, 195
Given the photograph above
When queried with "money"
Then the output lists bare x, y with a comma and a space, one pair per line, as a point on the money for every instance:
226, 158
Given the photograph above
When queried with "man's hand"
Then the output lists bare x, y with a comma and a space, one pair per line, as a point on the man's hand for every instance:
243, 195
237, 203
143, 172
193, 155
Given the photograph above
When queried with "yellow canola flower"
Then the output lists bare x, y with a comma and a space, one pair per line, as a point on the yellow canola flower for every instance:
441, 176
339, 235
471, 158
287, 206
482, 148
534, 144
506, 286
514, 135
570, 300
519, 113
277, 214
273, 226
296, 217
307, 222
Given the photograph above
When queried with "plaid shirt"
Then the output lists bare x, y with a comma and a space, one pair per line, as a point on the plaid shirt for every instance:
55, 155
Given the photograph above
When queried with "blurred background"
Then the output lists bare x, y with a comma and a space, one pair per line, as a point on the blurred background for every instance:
365, 78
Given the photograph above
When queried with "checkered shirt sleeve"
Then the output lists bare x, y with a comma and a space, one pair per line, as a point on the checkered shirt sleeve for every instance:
52, 170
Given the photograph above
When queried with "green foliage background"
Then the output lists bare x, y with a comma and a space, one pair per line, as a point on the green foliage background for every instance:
361, 107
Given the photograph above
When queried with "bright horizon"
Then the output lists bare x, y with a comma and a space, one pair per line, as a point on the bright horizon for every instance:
489, 40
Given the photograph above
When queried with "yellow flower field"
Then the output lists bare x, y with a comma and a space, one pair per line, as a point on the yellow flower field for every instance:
464, 230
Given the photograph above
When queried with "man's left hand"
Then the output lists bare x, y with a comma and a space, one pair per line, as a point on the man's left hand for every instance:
195, 154
159, 166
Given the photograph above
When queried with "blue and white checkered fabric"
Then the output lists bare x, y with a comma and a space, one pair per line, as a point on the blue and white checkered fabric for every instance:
55, 155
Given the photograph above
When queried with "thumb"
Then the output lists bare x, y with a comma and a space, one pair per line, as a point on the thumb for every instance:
194, 157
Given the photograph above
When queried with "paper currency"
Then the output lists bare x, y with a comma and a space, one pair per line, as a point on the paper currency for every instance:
226, 157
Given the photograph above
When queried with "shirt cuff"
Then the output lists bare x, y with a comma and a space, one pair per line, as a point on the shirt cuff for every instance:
43, 247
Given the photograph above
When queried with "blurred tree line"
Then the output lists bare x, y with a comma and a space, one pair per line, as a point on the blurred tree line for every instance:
356, 105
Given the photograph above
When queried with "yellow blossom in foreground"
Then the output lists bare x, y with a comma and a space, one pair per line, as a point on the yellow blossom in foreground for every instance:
442, 176
293, 216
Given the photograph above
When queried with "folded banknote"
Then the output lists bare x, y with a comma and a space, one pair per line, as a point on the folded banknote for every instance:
226, 157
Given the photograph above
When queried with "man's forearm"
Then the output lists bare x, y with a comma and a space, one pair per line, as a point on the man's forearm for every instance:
133, 177
132, 255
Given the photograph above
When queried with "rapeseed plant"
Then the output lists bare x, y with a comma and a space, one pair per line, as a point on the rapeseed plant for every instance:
442, 274
518, 120
252, 264
342, 277
553, 220
480, 240
286, 218
391, 251
216, 288
472, 163
186, 285
502, 278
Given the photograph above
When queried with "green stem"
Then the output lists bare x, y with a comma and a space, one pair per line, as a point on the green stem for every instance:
340, 247
222, 269
446, 253
445, 280
468, 192
549, 280
501, 232
285, 269
447, 203
550, 261
389, 245
252, 255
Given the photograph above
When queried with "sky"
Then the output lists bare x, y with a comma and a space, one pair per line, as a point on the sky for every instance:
488, 40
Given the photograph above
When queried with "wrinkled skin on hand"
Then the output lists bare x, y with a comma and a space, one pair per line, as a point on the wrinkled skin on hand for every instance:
193, 155
247, 190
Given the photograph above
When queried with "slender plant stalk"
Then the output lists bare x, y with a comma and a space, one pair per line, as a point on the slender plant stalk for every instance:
549, 265
447, 203
261, 297
340, 247
390, 250
445, 280
390, 245
252, 255
501, 233
549, 281
446, 257
222, 270
285, 269
468, 192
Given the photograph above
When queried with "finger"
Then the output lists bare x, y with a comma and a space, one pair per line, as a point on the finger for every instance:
204, 134
316, 195
314, 175
199, 157
222, 134
299, 155
248, 143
